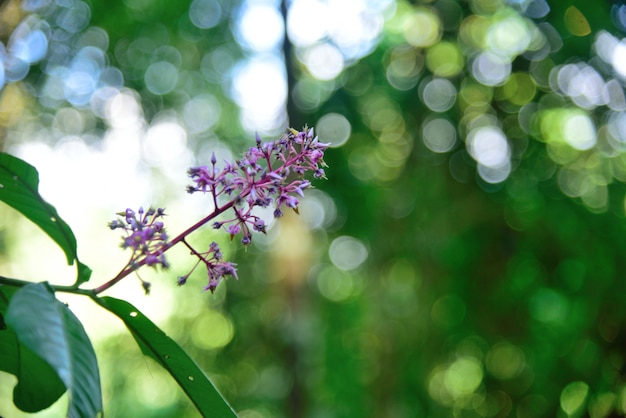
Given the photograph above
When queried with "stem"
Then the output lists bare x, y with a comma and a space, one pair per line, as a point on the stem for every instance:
180, 237
218, 211
7, 281
134, 266
125, 272
194, 252
192, 228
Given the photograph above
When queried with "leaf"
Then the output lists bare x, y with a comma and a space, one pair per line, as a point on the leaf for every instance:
84, 272
51, 331
154, 343
38, 385
19, 188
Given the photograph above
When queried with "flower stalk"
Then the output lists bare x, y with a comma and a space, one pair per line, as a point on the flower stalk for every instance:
269, 174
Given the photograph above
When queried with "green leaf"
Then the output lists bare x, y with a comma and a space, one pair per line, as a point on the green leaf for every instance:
84, 272
6, 293
51, 331
19, 188
38, 385
154, 343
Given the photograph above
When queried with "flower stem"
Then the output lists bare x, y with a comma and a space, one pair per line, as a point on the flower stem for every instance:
194, 252
8, 281
179, 238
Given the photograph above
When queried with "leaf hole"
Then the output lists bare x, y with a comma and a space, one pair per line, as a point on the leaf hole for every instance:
166, 356
190, 378
53, 219
1, 186
133, 314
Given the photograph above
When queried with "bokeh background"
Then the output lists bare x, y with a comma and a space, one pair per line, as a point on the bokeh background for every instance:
465, 257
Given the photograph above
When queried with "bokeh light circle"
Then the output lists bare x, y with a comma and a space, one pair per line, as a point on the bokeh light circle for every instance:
444, 59
75, 17
491, 69
324, 61
318, 209
212, 330
580, 132
489, 146
568, 126
201, 113
439, 135
260, 27
161, 77
347, 253
464, 376
505, 361
422, 28
508, 36
312, 11
334, 128
205, 14
335, 284
439, 94
519, 89
494, 175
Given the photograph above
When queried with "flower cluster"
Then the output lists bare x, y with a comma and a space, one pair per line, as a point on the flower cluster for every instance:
217, 269
145, 235
269, 174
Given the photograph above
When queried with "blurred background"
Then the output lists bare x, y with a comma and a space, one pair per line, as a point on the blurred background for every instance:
463, 259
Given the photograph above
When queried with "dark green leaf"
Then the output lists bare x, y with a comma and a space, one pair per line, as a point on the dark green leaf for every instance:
171, 356
6, 293
48, 328
38, 385
84, 273
19, 188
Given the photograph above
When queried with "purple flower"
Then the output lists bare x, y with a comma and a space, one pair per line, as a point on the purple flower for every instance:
247, 239
217, 270
213, 282
259, 225
152, 260
269, 174
145, 236
234, 229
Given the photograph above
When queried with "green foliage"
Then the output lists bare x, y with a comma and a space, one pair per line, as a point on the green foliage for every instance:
19, 188
45, 345
155, 344
39, 385
51, 331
